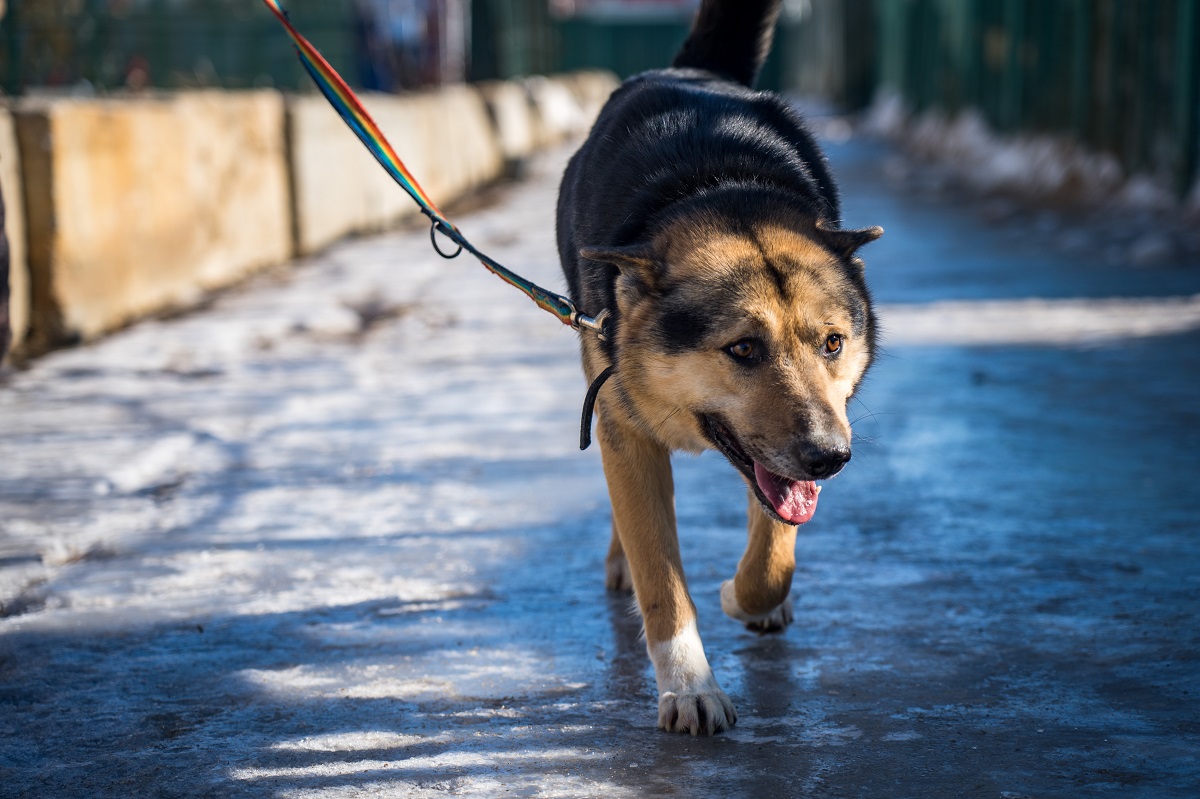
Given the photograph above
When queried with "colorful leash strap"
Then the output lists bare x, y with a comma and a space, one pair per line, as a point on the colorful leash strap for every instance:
352, 112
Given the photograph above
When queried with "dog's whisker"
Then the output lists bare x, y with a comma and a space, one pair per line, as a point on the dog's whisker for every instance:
867, 412
667, 418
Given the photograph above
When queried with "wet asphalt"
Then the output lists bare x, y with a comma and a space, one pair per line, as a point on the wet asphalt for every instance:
997, 598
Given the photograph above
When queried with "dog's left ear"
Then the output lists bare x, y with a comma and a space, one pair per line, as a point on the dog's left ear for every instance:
635, 262
844, 243
636, 257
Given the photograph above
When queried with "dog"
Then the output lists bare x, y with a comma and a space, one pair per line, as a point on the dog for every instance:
702, 216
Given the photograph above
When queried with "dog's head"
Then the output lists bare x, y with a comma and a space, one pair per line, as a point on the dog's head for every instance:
750, 340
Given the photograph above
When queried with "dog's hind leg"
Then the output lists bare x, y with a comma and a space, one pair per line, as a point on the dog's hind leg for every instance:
759, 594
640, 485
616, 565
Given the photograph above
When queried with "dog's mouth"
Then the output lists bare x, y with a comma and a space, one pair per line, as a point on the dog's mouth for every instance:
787, 500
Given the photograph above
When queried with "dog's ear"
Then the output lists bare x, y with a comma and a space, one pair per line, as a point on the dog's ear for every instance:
844, 243
635, 262
636, 257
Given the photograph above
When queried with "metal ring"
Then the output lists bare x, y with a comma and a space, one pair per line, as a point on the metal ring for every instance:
433, 240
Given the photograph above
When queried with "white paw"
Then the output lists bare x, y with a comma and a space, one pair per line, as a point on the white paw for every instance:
689, 699
617, 576
704, 713
773, 621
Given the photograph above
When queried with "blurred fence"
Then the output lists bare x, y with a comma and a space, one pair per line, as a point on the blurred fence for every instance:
511, 38
1120, 76
629, 45
106, 45
102, 45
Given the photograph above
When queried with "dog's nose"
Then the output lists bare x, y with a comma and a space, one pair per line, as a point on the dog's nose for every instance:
825, 463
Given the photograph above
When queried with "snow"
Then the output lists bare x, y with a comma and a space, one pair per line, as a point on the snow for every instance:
1039, 166
1038, 321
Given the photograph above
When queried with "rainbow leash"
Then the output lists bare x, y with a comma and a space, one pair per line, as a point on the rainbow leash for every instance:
355, 115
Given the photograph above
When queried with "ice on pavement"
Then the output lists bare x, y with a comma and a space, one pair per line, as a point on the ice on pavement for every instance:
331, 536
347, 441
280, 412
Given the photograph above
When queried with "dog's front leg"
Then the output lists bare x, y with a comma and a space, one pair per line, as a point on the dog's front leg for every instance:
640, 485
759, 594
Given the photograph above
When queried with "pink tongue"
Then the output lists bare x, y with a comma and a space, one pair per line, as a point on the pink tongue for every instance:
794, 500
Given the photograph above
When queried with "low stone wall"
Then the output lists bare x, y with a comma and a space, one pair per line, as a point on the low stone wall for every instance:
445, 138
513, 118
539, 111
591, 89
14, 228
337, 187
134, 206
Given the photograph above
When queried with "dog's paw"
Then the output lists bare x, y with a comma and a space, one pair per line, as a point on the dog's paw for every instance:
701, 713
689, 699
617, 576
775, 620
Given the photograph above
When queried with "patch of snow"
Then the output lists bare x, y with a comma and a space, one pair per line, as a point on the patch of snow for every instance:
1037, 321
1151, 249
1040, 166
359, 740
165, 460
886, 117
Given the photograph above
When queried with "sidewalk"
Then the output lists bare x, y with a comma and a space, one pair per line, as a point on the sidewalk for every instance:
331, 536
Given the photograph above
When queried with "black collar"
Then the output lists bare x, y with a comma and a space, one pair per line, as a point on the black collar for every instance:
589, 406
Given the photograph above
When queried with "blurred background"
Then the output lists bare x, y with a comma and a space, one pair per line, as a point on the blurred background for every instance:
1068, 103
1120, 76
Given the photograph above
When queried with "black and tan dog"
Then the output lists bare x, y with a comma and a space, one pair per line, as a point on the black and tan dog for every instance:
702, 215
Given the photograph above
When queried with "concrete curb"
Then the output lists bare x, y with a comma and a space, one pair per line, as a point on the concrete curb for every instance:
135, 206
445, 137
14, 228
127, 207
513, 118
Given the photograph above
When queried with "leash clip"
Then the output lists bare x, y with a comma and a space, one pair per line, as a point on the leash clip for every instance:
438, 226
596, 323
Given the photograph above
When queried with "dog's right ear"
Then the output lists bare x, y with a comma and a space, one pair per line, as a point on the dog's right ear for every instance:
844, 243
635, 262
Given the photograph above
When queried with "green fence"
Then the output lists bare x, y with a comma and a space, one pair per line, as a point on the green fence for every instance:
510, 38
629, 45
1120, 76
169, 44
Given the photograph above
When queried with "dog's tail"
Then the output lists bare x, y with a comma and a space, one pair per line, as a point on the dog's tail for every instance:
731, 38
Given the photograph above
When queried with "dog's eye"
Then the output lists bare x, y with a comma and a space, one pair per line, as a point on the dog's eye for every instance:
833, 344
743, 350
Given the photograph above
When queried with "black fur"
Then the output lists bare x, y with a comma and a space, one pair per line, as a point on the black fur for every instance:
731, 39
671, 142
681, 328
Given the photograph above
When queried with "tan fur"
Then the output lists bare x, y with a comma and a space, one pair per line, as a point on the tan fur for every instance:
764, 575
643, 503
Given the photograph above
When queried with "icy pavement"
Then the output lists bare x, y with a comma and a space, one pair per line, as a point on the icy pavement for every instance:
331, 536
